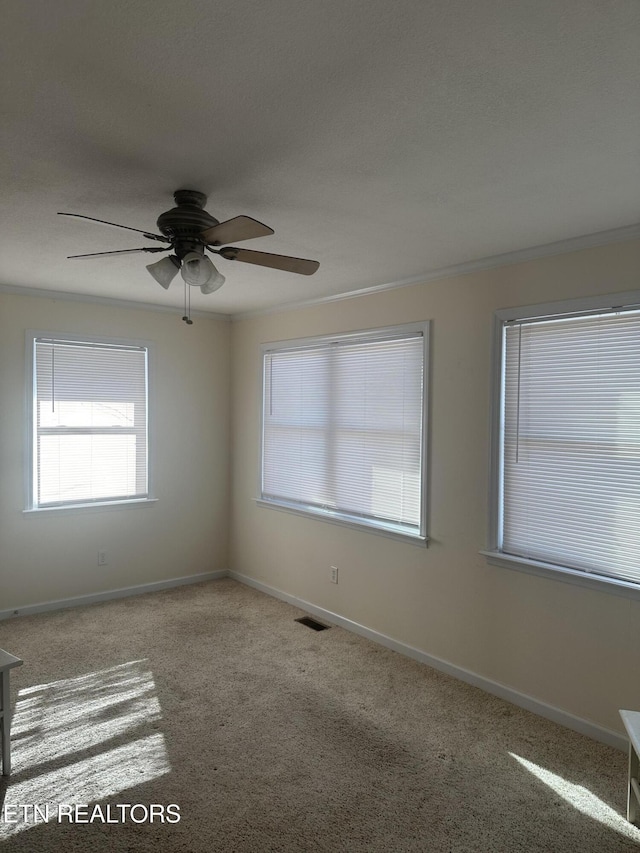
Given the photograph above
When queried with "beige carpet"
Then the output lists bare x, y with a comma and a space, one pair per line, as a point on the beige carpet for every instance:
269, 736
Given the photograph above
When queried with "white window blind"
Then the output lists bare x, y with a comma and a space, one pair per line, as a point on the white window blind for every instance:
570, 484
89, 422
343, 429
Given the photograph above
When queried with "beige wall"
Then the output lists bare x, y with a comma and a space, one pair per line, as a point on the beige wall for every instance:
51, 556
573, 648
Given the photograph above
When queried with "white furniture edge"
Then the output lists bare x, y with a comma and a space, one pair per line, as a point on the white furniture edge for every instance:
7, 663
631, 720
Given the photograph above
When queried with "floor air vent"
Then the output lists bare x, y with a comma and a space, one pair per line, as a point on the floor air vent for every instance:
311, 623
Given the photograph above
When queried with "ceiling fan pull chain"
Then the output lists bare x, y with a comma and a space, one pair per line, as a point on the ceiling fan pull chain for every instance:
187, 310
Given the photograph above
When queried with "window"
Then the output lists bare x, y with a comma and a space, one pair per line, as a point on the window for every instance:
567, 444
343, 432
88, 408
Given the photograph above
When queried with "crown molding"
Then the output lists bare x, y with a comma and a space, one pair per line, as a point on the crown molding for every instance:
561, 247
106, 300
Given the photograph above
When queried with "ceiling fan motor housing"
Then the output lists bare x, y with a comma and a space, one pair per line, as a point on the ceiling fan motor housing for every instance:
183, 224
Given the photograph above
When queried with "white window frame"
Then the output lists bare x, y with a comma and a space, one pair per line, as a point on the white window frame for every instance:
31, 506
626, 300
336, 517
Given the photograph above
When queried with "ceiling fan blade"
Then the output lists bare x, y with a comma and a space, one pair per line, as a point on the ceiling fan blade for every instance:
234, 230
122, 252
266, 259
115, 225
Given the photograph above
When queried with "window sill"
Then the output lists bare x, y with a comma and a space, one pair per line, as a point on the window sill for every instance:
601, 583
72, 509
345, 521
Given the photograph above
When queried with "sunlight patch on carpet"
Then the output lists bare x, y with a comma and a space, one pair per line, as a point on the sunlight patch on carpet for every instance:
582, 799
83, 739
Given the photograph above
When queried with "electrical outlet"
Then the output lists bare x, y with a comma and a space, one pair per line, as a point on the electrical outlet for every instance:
102, 558
334, 574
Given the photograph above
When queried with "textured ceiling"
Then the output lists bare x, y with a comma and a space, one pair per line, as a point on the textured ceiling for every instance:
384, 139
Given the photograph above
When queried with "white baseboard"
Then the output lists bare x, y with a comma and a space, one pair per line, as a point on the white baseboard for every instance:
522, 700
83, 600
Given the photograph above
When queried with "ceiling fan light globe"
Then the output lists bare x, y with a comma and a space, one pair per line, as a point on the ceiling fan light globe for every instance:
165, 270
196, 269
215, 282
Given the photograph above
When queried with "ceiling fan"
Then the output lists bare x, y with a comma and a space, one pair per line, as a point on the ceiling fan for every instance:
187, 230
